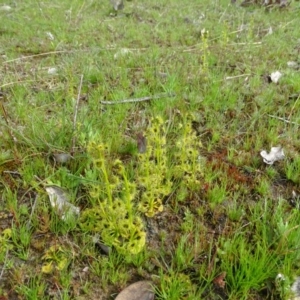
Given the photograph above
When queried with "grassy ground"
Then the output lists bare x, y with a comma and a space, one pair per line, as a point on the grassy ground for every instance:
172, 189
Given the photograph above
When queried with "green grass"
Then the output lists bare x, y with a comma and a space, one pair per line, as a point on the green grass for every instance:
199, 204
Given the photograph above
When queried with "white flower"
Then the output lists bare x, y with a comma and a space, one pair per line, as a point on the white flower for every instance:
280, 277
275, 154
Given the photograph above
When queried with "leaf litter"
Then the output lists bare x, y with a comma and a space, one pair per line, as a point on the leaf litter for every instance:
59, 200
275, 76
274, 155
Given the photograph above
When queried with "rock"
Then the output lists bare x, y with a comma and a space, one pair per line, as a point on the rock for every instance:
141, 290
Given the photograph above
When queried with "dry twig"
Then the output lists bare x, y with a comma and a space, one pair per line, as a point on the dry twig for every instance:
164, 95
284, 120
237, 76
4, 264
32, 211
12, 136
36, 55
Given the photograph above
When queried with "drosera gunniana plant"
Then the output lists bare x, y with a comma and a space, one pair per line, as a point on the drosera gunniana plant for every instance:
116, 192
113, 214
187, 167
153, 175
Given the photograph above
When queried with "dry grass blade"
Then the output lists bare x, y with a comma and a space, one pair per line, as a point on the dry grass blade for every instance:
12, 136
75, 116
4, 264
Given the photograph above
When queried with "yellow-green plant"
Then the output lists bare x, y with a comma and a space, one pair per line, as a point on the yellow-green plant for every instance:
250, 34
117, 197
5, 238
188, 168
114, 215
152, 174
205, 50
55, 258
225, 37
156, 172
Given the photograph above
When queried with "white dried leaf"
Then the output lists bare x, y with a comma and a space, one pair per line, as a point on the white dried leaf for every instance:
296, 289
283, 3
122, 52
270, 31
50, 36
294, 194
275, 76
275, 154
62, 158
292, 64
52, 71
117, 4
5, 8
60, 202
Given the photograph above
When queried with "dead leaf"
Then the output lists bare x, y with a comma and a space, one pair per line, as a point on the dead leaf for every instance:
59, 201
275, 76
283, 3
292, 64
141, 290
296, 289
52, 71
50, 36
117, 4
5, 8
122, 53
270, 31
275, 154
219, 280
141, 142
62, 158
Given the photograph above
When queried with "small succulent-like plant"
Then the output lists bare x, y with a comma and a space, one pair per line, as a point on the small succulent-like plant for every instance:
205, 50
153, 177
55, 258
118, 198
188, 167
5, 237
113, 215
